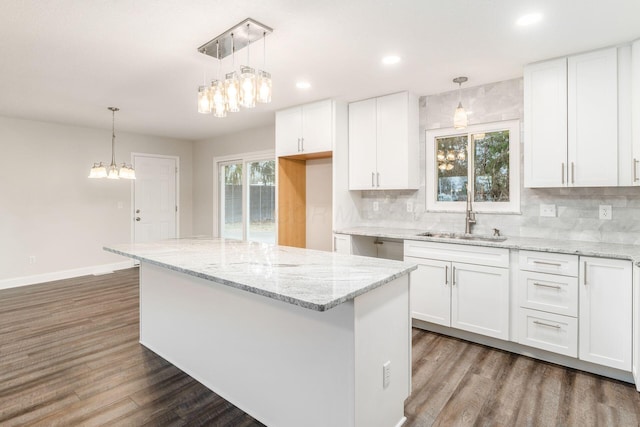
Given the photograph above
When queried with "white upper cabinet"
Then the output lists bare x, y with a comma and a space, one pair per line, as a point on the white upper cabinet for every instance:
575, 121
593, 118
545, 124
306, 129
383, 143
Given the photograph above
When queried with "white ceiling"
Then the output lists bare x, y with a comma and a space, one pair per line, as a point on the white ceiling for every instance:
66, 61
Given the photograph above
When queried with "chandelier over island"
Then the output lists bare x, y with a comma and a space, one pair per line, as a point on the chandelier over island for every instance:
243, 89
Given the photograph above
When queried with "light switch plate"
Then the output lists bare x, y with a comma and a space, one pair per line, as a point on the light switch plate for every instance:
548, 210
409, 206
605, 212
376, 206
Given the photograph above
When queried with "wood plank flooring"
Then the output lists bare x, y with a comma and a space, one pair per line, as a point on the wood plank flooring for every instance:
69, 355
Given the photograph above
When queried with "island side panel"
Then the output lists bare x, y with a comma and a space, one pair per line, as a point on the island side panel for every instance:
283, 364
383, 334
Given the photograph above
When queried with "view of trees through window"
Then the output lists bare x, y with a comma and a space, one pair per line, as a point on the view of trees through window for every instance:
258, 223
489, 165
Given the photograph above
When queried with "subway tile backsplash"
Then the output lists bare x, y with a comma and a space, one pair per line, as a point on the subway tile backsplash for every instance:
577, 208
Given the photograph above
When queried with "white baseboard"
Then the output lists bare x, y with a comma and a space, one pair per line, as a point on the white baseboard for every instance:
64, 274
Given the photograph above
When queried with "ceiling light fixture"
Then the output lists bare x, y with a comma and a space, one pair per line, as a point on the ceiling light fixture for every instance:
303, 85
98, 170
529, 19
460, 120
390, 60
237, 90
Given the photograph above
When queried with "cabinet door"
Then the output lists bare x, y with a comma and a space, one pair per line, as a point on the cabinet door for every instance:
593, 119
342, 244
545, 124
480, 299
392, 136
605, 319
362, 144
431, 291
317, 127
288, 131
635, 110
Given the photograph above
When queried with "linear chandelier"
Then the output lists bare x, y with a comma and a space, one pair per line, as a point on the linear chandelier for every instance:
99, 170
243, 89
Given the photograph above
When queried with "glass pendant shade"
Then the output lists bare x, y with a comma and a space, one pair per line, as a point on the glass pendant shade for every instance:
442, 166
451, 156
247, 87
219, 103
112, 172
232, 92
204, 100
449, 166
460, 117
98, 171
264, 87
126, 172
440, 155
461, 155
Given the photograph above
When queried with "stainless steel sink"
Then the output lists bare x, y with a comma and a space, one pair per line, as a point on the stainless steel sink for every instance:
460, 236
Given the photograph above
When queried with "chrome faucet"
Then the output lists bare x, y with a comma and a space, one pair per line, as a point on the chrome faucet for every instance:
470, 217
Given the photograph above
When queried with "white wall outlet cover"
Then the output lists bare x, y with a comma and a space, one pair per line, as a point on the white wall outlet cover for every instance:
386, 374
605, 212
409, 206
376, 206
548, 210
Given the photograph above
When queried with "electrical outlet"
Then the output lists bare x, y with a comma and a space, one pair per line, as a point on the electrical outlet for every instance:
32, 259
409, 206
386, 374
376, 206
548, 210
605, 212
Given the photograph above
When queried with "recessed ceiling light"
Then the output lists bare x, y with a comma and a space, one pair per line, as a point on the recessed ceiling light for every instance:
529, 19
303, 85
390, 60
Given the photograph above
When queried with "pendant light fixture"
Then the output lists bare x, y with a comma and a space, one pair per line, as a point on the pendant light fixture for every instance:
248, 78
98, 170
460, 120
264, 78
236, 90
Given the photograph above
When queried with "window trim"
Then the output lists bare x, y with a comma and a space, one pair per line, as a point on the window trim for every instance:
243, 158
431, 181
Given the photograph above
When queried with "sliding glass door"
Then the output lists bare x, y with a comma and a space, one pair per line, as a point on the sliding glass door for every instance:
247, 199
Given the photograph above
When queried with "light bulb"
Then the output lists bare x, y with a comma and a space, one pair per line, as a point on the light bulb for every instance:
247, 87
219, 104
460, 117
232, 93
264, 87
204, 100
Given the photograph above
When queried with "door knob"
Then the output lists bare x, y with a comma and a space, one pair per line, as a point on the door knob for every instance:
137, 218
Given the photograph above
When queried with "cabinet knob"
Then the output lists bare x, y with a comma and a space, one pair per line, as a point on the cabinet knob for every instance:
137, 218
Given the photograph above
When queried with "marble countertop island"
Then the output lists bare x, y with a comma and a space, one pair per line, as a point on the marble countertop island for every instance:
316, 280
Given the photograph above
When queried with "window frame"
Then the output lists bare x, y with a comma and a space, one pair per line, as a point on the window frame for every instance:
431, 170
245, 159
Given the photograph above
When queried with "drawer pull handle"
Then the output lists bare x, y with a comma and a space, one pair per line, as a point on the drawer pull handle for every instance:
453, 276
446, 275
546, 324
546, 286
555, 264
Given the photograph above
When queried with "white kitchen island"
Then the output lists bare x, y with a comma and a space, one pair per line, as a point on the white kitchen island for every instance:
293, 337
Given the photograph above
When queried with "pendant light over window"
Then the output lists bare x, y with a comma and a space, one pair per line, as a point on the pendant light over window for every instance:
237, 90
460, 120
98, 170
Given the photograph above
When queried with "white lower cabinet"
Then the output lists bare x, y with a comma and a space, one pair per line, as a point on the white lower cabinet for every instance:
465, 296
605, 318
548, 331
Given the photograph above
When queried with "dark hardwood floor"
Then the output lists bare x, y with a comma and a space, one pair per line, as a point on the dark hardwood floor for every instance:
69, 355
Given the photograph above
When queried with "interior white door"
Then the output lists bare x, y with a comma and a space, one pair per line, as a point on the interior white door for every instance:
155, 202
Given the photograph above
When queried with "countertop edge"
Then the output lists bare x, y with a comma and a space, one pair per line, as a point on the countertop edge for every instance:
509, 243
278, 297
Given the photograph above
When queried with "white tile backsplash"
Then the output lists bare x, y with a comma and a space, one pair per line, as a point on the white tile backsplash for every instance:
577, 208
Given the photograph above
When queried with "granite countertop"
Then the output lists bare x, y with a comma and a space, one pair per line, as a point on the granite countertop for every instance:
575, 247
316, 280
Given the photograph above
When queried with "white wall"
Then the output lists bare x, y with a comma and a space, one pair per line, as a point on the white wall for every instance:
49, 209
258, 139
319, 204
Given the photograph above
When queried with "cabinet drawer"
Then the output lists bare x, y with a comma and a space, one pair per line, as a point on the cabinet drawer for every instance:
468, 254
549, 292
546, 262
551, 332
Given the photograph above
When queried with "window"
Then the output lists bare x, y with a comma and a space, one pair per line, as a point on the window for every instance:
483, 160
246, 197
